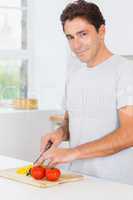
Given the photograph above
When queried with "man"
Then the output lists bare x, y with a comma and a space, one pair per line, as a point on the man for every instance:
98, 120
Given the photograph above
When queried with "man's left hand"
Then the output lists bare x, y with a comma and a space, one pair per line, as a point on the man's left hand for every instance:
59, 156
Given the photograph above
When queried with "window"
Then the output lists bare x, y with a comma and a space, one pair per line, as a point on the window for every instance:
14, 49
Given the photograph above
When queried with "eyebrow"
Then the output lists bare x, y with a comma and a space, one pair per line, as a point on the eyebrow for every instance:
69, 35
82, 31
77, 33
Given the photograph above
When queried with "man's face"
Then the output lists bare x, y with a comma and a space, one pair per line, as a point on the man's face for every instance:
83, 38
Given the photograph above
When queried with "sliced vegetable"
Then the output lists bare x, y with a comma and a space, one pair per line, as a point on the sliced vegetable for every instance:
24, 170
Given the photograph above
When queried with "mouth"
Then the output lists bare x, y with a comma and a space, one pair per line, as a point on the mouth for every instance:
81, 52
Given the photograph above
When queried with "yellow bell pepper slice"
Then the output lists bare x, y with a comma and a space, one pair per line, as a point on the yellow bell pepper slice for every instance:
24, 170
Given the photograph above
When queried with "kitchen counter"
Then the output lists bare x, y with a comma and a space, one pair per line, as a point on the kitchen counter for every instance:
90, 188
14, 110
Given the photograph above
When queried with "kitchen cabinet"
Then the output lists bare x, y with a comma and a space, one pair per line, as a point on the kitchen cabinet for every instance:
21, 131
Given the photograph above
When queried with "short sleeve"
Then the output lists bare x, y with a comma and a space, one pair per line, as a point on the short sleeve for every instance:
125, 85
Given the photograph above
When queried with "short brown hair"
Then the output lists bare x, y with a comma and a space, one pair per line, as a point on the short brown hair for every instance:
84, 9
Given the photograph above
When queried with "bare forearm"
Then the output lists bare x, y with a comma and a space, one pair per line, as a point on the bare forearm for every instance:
64, 128
108, 145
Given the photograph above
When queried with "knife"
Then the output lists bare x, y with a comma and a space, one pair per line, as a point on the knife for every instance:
47, 147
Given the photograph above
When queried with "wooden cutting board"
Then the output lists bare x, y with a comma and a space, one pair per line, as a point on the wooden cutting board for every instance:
65, 178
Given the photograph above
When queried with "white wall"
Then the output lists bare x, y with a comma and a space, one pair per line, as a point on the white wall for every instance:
49, 53
119, 29
119, 17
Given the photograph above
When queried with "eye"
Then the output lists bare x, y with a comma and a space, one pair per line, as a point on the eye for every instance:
83, 34
69, 37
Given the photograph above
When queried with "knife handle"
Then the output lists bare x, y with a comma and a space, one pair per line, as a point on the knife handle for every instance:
48, 145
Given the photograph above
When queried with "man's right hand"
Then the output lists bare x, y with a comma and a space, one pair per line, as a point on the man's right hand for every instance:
55, 137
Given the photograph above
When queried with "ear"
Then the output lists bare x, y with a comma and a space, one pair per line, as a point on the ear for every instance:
102, 31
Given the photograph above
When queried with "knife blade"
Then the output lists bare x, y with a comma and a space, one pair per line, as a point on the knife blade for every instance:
47, 147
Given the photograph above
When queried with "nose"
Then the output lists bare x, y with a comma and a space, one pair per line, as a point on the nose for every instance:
76, 45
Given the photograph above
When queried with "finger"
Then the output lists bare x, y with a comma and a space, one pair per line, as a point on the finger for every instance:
44, 142
40, 161
52, 163
45, 156
50, 150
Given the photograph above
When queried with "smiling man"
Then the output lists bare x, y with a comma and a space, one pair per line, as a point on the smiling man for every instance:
98, 119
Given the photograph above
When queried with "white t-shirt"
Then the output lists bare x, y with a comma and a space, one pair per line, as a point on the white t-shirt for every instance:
93, 97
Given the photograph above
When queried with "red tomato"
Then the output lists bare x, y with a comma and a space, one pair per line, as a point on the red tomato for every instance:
52, 174
38, 172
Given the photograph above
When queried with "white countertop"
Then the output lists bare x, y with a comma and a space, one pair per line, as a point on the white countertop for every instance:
13, 110
90, 188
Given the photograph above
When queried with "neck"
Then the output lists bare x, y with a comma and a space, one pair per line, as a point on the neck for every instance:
102, 55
